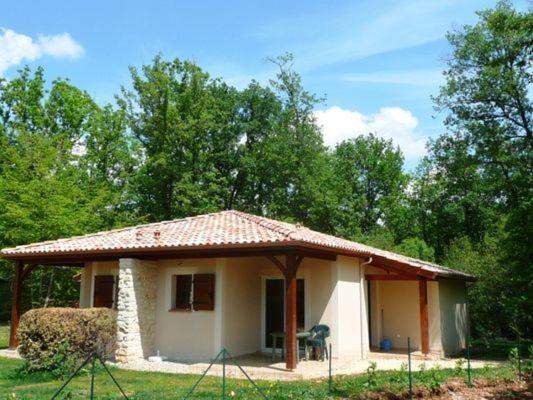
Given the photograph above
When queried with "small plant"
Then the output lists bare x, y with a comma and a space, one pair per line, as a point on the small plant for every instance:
398, 377
514, 358
436, 377
422, 368
371, 375
528, 363
459, 367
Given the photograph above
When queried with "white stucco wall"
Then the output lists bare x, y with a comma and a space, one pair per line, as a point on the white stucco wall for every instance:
337, 297
453, 315
395, 314
333, 297
184, 335
242, 305
86, 285
401, 312
434, 315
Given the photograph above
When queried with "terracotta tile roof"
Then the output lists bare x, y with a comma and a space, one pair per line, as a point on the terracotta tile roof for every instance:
222, 229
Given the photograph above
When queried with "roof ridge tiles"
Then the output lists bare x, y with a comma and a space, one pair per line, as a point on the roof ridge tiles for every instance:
273, 225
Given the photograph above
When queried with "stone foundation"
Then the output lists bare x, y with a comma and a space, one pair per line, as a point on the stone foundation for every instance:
136, 310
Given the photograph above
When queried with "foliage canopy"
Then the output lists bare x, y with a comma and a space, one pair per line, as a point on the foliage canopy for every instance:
180, 142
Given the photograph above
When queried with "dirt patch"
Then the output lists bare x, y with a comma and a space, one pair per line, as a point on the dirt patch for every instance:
489, 390
458, 390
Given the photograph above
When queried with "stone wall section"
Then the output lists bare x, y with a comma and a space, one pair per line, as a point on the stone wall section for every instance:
137, 295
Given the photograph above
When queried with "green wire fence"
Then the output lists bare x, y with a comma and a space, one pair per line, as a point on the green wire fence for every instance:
91, 359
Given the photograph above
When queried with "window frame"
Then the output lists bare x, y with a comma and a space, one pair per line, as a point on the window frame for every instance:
195, 304
114, 290
175, 283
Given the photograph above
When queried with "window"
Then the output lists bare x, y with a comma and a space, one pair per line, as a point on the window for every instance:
195, 292
104, 291
183, 292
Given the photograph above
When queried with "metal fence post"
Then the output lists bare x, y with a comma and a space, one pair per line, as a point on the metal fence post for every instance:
329, 381
247, 376
519, 359
112, 377
223, 374
203, 376
92, 376
226, 356
92, 357
409, 364
468, 368
71, 377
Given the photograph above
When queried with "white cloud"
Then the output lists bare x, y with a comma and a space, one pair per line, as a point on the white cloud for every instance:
394, 123
16, 48
61, 45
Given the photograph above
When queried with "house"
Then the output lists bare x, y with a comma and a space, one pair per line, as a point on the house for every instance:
189, 287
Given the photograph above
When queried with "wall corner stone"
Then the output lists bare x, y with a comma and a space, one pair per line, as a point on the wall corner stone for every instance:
137, 295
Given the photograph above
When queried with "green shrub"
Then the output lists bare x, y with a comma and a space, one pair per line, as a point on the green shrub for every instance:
58, 339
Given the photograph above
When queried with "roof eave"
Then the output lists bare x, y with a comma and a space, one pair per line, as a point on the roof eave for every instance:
212, 250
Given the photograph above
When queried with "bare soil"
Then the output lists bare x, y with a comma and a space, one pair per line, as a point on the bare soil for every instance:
481, 390
458, 390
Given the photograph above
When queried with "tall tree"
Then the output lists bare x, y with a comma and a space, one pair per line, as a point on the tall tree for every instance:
294, 159
450, 196
258, 113
489, 114
487, 97
183, 120
370, 183
47, 188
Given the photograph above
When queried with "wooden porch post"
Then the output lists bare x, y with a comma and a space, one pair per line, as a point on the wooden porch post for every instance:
289, 272
16, 306
424, 317
290, 312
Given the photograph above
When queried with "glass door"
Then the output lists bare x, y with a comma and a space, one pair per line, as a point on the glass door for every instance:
275, 307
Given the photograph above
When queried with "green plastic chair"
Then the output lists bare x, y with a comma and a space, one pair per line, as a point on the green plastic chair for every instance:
319, 333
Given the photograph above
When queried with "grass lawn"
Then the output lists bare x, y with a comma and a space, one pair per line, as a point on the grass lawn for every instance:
4, 335
150, 385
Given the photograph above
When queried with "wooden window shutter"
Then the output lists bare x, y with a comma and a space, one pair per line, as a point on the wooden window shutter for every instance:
103, 291
204, 292
183, 292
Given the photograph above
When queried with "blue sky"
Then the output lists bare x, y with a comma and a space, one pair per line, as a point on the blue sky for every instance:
376, 62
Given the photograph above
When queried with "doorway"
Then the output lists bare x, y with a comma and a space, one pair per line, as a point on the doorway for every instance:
274, 307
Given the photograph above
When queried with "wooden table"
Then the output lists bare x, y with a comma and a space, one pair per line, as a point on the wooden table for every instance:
299, 335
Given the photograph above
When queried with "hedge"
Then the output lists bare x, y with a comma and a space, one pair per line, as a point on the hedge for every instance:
50, 337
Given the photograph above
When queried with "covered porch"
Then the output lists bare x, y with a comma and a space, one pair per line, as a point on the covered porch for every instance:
431, 312
187, 288
254, 295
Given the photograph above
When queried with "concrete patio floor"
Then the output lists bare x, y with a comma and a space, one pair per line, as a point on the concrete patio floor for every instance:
261, 366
